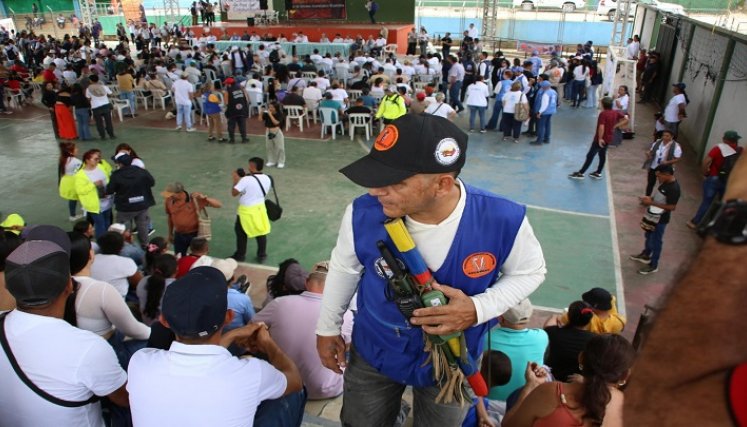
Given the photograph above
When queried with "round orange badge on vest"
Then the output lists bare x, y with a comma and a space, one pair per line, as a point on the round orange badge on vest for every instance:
478, 264
387, 138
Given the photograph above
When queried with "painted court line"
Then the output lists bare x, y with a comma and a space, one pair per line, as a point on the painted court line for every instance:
620, 291
550, 309
542, 208
362, 145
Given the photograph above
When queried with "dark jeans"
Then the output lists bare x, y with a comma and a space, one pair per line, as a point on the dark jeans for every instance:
411, 48
543, 128
497, 107
509, 126
232, 123
182, 241
654, 243
103, 118
593, 151
101, 222
286, 411
241, 241
71, 205
82, 115
650, 181
577, 91
454, 101
713, 189
142, 220
465, 85
373, 399
371, 14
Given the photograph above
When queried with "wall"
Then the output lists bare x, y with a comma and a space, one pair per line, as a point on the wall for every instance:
389, 10
24, 6
731, 106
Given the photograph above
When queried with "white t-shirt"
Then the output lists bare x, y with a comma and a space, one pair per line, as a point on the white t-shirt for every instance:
339, 94
97, 174
115, 270
312, 93
663, 153
99, 308
477, 95
624, 102
199, 385
66, 362
98, 101
182, 91
442, 110
251, 193
510, 99
671, 112
580, 73
322, 83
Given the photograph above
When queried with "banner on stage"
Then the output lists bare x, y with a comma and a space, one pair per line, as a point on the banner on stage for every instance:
242, 9
543, 49
316, 9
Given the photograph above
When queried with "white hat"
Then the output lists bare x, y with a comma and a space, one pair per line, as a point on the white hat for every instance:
226, 266
117, 228
203, 261
520, 313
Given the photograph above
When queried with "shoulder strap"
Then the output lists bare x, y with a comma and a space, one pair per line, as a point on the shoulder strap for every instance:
22, 376
264, 193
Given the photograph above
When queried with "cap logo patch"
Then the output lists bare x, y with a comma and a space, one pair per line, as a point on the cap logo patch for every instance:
387, 138
447, 152
478, 264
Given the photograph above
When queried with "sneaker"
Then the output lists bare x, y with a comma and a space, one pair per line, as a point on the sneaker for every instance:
691, 225
535, 142
505, 138
576, 175
471, 131
516, 141
75, 217
231, 141
238, 258
178, 128
483, 130
269, 164
641, 257
261, 258
245, 141
281, 165
596, 175
648, 270
211, 138
191, 129
222, 140
151, 232
243, 283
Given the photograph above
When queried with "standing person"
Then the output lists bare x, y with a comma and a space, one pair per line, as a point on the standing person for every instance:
126, 84
82, 111
580, 74
65, 121
182, 214
49, 99
90, 186
237, 109
545, 105
392, 105
455, 81
372, 7
665, 151
649, 77
67, 167
469, 74
251, 216
676, 109
412, 41
714, 181
607, 121
412, 172
477, 101
131, 187
193, 12
502, 87
183, 94
272, 118
595, 80
661, 204
211, 106
100, 107
509, 125
446, 43
423, 41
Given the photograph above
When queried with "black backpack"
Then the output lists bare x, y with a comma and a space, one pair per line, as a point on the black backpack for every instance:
727, 165
274, 56
11, 54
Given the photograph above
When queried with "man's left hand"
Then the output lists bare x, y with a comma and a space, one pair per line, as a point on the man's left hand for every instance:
456, 316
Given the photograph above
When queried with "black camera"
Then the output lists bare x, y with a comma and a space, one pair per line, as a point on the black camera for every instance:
240, 172
270, 135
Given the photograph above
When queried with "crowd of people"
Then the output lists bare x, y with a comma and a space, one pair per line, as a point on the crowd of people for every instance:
180, 317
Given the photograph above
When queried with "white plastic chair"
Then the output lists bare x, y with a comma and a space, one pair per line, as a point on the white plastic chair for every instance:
295, 112
121, 104
308, 75
141, 96
341, 71
312, 109
210, 75
390, 48
328, 122
162, 98
354, 94
16, 99
359, 120
256, 101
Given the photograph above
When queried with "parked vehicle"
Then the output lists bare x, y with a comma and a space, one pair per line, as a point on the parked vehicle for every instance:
563, 5
673, 8
609, 7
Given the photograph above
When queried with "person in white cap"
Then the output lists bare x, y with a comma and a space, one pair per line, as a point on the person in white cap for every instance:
183, 94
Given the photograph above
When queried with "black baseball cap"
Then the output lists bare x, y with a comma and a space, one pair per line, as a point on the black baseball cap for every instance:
411, 144
195, 305
37, 272
49, 233
598, 298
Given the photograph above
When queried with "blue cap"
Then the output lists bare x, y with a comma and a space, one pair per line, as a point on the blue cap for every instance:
195, 305
545, 84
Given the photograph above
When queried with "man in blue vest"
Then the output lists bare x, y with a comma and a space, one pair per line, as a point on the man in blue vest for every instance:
545, 105
479, 246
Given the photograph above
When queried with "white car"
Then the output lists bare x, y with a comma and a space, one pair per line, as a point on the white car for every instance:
674, 9
608, 7
564, 5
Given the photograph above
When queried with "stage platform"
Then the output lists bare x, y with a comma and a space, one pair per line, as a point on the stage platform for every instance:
397, 32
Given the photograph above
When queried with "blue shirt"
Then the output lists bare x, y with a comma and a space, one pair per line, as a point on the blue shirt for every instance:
242, 307
521, 346
209, 107
368, 101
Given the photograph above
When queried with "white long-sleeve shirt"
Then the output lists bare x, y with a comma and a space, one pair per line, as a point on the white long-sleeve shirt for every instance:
522, 272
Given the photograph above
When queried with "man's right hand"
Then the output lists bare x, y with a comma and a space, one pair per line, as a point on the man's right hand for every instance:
331, 352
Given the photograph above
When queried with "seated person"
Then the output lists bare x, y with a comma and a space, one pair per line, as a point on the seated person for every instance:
108, 266
521, 344
198, 368
368, 100
295, 333
567, 342
496, 370
606, 319
419, 104
151, 288
328, 102
441, 108
359, 108
238, 302
198, 248
293, 98
289, 280
129, 250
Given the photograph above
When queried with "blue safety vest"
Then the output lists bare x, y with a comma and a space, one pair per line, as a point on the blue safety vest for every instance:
484, 240
552, 106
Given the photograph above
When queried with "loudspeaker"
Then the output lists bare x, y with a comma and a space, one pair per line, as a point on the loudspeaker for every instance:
250, 21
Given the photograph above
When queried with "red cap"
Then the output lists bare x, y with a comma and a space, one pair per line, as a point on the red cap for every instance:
420, 96
229, 81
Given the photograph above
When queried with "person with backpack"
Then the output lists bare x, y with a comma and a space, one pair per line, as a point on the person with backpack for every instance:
716, 167
664, 151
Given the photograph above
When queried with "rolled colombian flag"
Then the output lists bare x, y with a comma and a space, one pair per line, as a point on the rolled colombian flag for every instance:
419, 271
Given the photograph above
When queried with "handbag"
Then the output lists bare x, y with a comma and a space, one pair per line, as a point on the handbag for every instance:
651, 218
521, 113
274, 210
204, 224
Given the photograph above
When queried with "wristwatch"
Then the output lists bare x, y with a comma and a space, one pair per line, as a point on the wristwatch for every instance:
729, 223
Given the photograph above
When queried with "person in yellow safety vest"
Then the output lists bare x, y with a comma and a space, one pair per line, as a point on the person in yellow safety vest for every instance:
392, 105
90, 185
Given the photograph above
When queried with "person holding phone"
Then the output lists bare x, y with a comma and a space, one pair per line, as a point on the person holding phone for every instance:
273, 117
